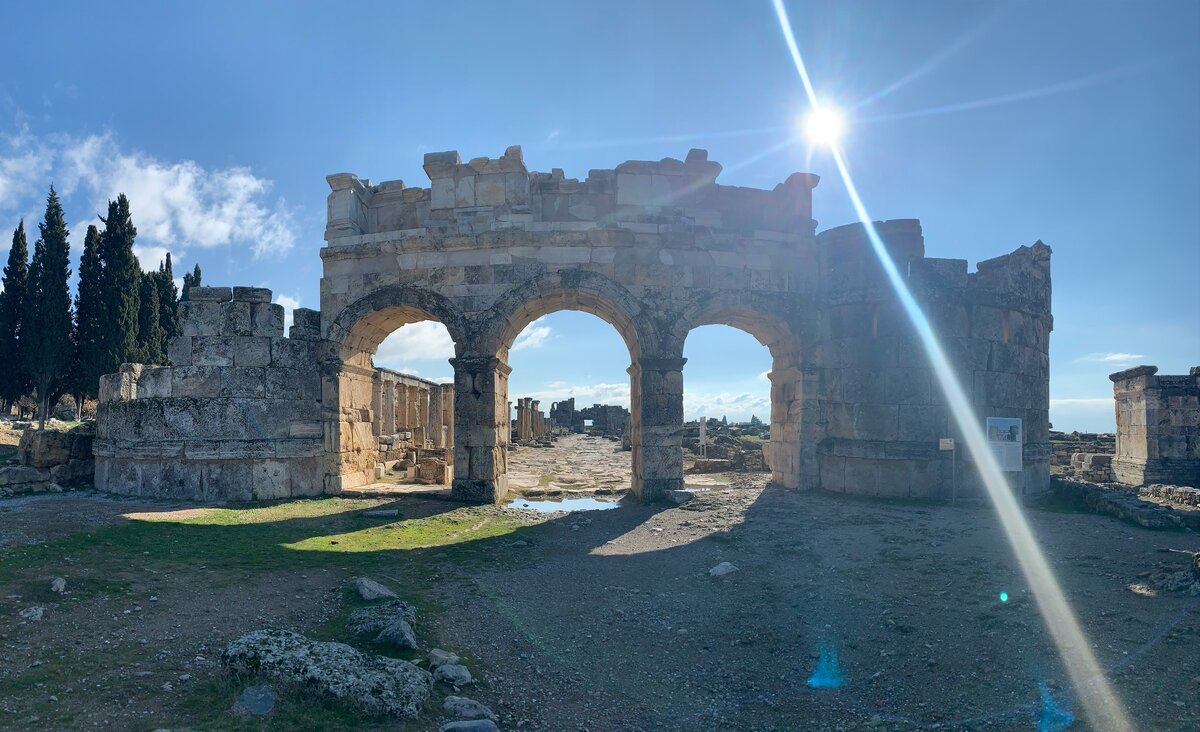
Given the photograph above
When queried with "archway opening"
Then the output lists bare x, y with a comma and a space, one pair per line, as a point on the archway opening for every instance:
743, 400
395, 400
570, 424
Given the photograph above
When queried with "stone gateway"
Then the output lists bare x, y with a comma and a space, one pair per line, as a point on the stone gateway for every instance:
654, 248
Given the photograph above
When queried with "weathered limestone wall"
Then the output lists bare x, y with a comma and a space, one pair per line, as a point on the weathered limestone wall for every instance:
1158, 427
236, 416
658, 249
883, 405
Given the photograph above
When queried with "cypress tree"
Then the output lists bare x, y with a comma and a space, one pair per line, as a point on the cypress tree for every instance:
151, 349
191, 280
121, 285
46, 348
89, 320
13, 382
168, 300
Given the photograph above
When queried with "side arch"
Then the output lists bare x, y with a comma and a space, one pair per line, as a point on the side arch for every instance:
783, 328
362, 325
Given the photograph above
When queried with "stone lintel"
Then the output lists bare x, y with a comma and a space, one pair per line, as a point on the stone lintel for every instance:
1133, 373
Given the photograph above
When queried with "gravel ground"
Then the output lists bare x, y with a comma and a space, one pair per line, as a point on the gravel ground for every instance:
609, 620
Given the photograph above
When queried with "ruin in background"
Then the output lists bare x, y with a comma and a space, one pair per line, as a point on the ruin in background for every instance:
654, 248
1158, 427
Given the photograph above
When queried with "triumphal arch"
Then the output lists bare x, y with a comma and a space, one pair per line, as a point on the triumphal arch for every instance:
656, 248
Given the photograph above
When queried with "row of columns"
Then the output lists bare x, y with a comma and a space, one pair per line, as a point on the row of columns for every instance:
419, 408
531, 423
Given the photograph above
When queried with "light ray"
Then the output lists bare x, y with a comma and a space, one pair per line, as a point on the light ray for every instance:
1101, 706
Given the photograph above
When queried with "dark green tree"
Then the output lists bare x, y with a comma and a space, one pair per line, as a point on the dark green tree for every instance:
47, 350
168, 300
13, 381
89, 320
191, 280
151, 343
755, 421
121, 285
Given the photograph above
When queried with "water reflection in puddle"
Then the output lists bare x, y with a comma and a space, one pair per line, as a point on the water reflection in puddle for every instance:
567, 504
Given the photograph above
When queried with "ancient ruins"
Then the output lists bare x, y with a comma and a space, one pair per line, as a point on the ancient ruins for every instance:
654, 248
1158, 427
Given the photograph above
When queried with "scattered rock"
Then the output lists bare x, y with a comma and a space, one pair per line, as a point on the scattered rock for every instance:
454, 674
473, 725
375, 684
369, 589
391, 623
438, 657
382, 513
58, 585
259, 700
722, 569
680, 497
464, 708
32, 613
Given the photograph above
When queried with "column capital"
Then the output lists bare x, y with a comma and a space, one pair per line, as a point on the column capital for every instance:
480, 364
661, 363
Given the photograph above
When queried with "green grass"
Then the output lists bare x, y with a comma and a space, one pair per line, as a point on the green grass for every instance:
236, 544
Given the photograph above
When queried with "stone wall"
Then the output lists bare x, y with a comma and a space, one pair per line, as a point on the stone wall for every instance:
1158, 427
50, 460
236, 416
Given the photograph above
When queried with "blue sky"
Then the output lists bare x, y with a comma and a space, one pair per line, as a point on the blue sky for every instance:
996, 124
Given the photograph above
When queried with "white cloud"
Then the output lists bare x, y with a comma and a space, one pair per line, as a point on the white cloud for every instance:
534, 336
289, 304
1111, 357
175, 205
585, 394
765, 376
149, 256
427, 340
738, 407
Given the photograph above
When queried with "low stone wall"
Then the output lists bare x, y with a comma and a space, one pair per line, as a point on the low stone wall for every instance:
1180, 494
1123, 503
1092, 467
50, 460
236, 416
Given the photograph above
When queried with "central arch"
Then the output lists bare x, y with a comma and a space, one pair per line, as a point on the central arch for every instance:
582, 291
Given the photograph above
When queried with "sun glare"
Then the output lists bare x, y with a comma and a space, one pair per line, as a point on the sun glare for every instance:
824, 126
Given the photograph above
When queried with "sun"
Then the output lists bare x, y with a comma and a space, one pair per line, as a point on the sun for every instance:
824, 126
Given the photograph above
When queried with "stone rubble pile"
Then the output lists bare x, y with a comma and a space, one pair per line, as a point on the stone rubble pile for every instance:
50, 460
1124, 503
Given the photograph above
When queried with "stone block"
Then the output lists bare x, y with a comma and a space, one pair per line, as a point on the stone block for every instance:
212, 351
195, 381
267, 320
288, 353
200, 318
251, 294
179, 352
252, 351
235, 319
154, 383
210, 294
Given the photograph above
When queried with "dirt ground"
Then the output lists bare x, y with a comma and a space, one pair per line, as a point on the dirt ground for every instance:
599, 620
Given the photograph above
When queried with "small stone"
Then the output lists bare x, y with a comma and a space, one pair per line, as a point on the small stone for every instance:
258, 700
472, 725
185, 677
32, 613
382, 513
369, 589
58, 585
464, 708
454, 674
438, 657
722, 569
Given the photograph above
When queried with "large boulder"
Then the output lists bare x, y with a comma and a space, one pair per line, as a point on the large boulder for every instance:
374, 684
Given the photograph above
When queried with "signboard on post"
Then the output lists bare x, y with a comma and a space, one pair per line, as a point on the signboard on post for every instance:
946, 443
1005, 439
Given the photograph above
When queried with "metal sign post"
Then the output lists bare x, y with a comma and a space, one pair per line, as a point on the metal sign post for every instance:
944, 444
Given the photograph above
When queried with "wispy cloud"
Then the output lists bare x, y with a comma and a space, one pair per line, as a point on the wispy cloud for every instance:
535, 335
175, 204
289, 304
424, 341
1112, 357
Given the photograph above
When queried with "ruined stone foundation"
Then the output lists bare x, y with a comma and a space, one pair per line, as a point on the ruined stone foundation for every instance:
236, 416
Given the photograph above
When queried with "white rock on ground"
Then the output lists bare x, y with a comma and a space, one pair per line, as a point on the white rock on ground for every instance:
464, 708
391, 623
32, 613
722, 569
438, 657
375, 684
369, 589
59, 585
454, 674
473, 725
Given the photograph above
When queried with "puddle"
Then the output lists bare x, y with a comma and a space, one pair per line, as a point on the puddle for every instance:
697, 488
567, 504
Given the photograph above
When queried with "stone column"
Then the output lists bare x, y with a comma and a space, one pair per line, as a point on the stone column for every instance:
523, 424
388, 408
448, 415
535, 419
656, 389
436, 434
791, 451
480, 428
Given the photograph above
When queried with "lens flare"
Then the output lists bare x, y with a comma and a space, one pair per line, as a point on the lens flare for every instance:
823, 126
828, 675
1003, 597
1100, 703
